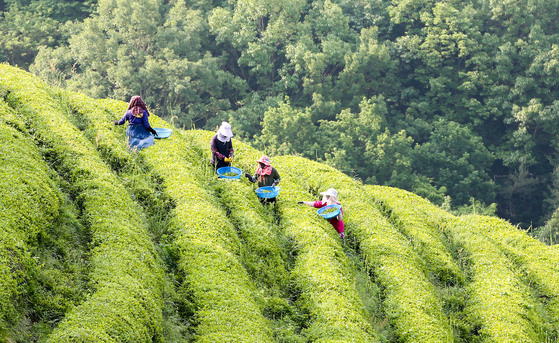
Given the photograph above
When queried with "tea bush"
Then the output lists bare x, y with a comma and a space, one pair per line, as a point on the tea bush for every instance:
261, 252
208, 248
109, 140
263, 255
409, 299
248, 272
30, 201
537, 263
498, 299
500, 305
321, 273
126, 276
422, 231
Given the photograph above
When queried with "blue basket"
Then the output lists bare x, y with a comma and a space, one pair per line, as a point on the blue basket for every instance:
224, 170
267, 192
162, 133
331, 214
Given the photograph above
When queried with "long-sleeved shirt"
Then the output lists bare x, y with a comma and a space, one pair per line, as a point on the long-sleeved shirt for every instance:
134, 120
337, 224
266, 180
220, 149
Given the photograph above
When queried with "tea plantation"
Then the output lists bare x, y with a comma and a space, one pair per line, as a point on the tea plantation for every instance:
100, 244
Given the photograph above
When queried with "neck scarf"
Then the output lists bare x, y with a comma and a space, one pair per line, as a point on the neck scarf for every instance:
267, 170
223, 138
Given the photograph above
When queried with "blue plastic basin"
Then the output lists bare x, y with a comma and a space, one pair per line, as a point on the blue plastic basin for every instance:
329, 215
267, 192
225, 170
162, 133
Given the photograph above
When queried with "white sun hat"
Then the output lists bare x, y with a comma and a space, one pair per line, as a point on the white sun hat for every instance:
331, 192
225, 130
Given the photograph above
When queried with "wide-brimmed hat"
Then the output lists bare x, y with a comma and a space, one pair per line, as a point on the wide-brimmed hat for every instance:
225, 129
331, 192
265, 159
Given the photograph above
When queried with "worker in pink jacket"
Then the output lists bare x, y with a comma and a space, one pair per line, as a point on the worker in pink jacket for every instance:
330, 197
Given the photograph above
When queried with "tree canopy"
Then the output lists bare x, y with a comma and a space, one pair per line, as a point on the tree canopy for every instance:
443, 98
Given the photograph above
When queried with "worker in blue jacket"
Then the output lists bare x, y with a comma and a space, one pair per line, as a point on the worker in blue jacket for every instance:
139, 133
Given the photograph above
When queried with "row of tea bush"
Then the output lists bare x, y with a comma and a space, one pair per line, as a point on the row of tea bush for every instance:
125, 304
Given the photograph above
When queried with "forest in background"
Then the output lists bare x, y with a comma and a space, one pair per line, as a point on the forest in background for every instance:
455, 101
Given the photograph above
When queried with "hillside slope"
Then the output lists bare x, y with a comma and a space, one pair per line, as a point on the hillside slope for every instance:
99, 244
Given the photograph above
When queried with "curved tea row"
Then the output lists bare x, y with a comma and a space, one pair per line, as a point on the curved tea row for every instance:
126, 275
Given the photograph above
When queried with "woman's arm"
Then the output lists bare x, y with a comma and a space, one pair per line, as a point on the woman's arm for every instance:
231, 150
276, 177
250, 178
213, 147
145, 121
122, 120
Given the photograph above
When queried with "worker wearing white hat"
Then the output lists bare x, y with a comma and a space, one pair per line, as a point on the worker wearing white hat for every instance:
222, 147
330, 197
330, 194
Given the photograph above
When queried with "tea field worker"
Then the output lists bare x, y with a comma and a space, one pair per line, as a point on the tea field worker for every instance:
330, 197
265, 175
222, 147
138, 132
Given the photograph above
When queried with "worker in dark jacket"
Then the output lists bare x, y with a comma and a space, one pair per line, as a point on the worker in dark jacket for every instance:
265, 175
222, 147
138, 132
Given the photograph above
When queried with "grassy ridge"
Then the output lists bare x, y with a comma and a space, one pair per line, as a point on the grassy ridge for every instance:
538, 264
500, 306
264, 253
126, 304
208, 247
321, 272
209, 254
218, 324
30, 201
410, 302
498, 299
422, 231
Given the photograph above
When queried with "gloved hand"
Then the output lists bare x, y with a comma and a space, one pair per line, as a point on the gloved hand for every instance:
275, 183
228, 159
115, 122
152, 131
300, 202
249, 177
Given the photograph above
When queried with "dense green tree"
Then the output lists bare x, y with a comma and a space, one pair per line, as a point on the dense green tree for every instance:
254, 35
27, 26
247, 118
456, 158
367, 70
443, 98
22, 33
288, 130
60, 11
130, 48
346, 140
